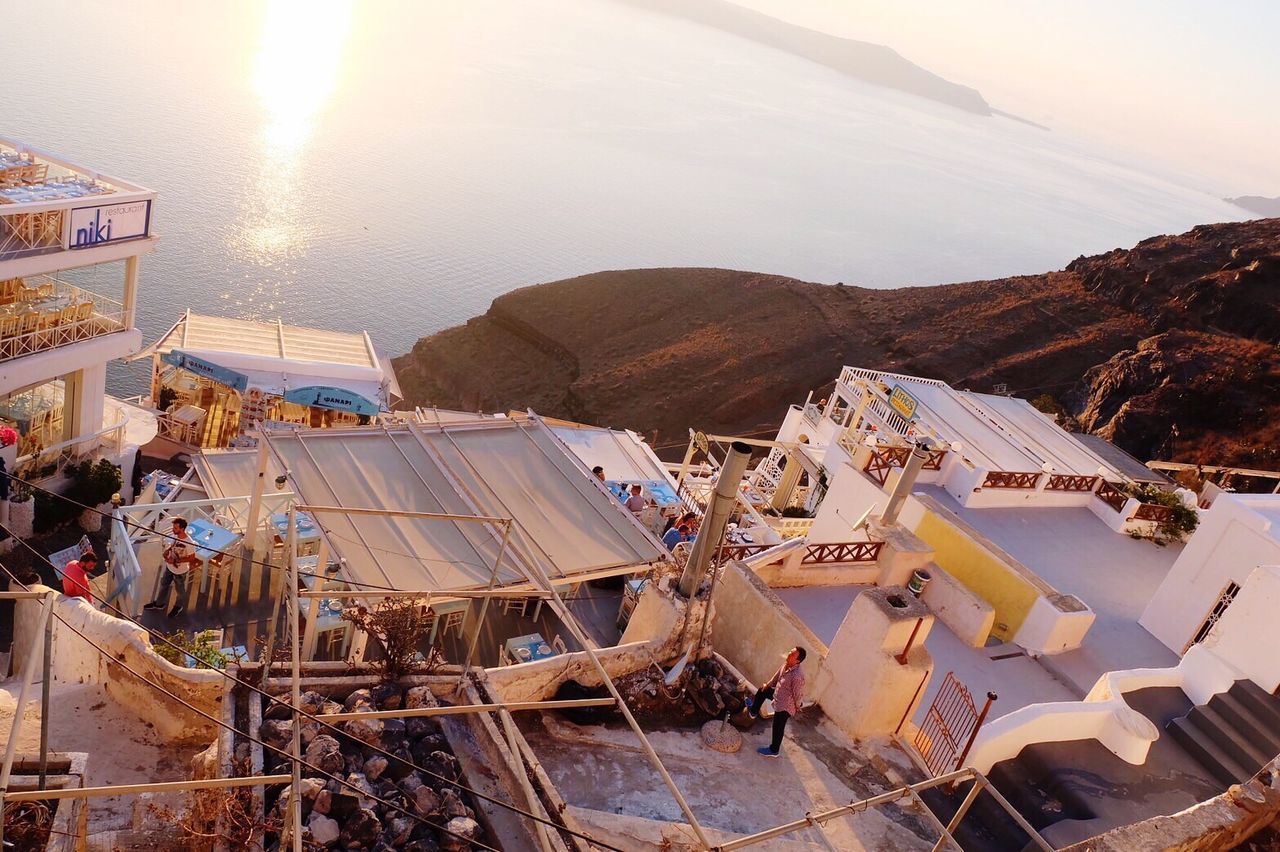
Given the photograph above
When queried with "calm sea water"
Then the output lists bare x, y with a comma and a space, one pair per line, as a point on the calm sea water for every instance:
393, 166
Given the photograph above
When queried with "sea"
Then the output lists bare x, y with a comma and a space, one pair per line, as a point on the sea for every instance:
394, 165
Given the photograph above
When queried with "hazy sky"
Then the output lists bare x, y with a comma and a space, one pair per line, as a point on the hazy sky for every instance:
1189, 84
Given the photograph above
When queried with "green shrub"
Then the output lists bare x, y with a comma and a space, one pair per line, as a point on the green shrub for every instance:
1183, 520
201, 646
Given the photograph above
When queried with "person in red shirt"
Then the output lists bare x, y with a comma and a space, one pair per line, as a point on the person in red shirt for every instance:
75, 577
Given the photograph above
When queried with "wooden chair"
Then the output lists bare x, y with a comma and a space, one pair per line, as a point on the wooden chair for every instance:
453, 622
557, 645
30, 322
46, 289
84, 313
9, 325
67, 324
504, 659
519, 606
26, 294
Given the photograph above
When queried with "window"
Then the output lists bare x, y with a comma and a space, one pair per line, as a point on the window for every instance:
1227, 595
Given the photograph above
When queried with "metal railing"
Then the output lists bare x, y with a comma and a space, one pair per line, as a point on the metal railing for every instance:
61, 327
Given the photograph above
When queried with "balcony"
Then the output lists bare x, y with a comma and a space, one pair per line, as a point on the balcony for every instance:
43, 312
49, 206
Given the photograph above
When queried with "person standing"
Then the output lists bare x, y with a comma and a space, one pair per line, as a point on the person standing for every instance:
75, 577
178, 559
786, 688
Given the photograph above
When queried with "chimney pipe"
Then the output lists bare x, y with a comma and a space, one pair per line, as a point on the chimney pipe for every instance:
915, 462
723, 500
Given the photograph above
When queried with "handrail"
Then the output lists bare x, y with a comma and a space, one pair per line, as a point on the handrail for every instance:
82, 439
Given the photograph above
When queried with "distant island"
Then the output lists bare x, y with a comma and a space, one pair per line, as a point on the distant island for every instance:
1168, 348
1257, 204
872, 63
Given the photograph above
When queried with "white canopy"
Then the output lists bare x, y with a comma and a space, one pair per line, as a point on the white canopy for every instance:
564, 521
279, 358
624, 457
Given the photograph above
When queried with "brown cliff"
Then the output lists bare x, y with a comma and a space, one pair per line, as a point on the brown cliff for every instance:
1168, 347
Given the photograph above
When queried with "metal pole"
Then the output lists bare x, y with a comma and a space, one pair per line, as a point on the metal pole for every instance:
723, 501
28, 675
295, 792
964, 809
484, 605
44, 702
711, 593
973, 735
902, 658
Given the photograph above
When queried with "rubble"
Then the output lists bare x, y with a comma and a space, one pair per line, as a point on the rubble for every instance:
351, 816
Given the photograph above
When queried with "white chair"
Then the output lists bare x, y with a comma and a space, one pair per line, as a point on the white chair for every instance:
453, 621
557, 645
520, 606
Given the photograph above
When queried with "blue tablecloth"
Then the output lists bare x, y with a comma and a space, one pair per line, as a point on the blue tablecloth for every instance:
210, 538
307, 529
535, 646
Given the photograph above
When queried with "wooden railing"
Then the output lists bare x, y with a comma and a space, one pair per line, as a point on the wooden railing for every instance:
1010, 479
844, 551
885, 459
730, 552
1153, 512
1110, 494
1069, 482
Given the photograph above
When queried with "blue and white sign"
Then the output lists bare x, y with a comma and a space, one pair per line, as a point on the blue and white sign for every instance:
337, 399
208, 369
109, 223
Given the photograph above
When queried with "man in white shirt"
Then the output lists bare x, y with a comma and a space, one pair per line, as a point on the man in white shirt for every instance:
179, 556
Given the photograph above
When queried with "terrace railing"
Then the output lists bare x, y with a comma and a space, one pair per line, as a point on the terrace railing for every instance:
1111, 494
1011, 479
1153, 512
83, 315
843, 551
885, 459
1070, 482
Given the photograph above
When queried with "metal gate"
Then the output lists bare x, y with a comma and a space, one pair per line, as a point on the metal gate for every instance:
950, 726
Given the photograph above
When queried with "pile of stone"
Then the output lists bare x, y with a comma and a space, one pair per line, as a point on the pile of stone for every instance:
706, 691
350, 816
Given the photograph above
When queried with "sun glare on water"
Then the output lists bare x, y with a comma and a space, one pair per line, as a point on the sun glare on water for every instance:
298, 64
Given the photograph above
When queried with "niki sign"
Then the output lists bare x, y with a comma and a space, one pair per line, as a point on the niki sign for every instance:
109, 223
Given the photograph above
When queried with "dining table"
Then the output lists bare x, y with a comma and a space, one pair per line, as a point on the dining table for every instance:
308, 531
40, 305
49, 191
526, 649
211, 540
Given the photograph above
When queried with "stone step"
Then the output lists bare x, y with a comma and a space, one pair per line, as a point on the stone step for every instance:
1206, 752
1231, 739
1245, 720
1263, 704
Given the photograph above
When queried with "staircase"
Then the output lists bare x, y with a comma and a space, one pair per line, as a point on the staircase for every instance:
1234, 734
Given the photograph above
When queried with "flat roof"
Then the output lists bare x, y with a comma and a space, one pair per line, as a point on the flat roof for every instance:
565, 523
203, 333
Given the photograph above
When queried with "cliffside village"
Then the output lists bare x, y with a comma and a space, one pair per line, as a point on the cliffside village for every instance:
265, 606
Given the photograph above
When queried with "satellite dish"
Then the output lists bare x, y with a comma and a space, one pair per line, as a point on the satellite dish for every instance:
866, 516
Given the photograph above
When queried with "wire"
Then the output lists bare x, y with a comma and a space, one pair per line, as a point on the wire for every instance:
298, 758
322, 722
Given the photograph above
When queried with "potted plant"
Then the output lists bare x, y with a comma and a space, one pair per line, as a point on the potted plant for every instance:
22, 511
93, 485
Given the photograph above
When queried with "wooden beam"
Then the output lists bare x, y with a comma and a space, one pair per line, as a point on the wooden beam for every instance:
134, 789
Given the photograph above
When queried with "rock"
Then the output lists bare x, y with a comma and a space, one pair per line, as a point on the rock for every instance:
461, 831
426, 802
374, 767
365, 730
386, 696
324, 831
311, 787
419, 696
440, 765
357, 698
453, 804
396, 834
420, 726
324, 799
342, 805
331, 707
411, 781
310, 730
361, 830
324, 754
423, 844
400, 766
277, 733
360, 786
428, 745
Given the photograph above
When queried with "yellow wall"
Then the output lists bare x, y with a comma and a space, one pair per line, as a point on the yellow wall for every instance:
981, 571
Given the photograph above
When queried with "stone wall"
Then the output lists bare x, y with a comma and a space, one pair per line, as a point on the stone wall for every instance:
753, 629
75, 660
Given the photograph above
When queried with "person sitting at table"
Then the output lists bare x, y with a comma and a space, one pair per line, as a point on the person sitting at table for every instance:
75, 577
675, 535
179, 556
598, 472
636, 501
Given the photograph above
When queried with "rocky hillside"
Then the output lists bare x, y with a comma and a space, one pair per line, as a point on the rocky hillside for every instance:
1168, 347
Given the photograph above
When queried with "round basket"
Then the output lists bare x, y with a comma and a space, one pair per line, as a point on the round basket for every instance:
721, 736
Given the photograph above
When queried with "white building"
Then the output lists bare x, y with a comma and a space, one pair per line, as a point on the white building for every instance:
61, 225
1237, 535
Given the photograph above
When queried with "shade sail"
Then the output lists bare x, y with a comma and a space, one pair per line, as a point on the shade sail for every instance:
564, 523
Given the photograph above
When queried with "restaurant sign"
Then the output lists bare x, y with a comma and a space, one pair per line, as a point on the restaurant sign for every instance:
336, 399
208, 369
109, 223
903, 402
